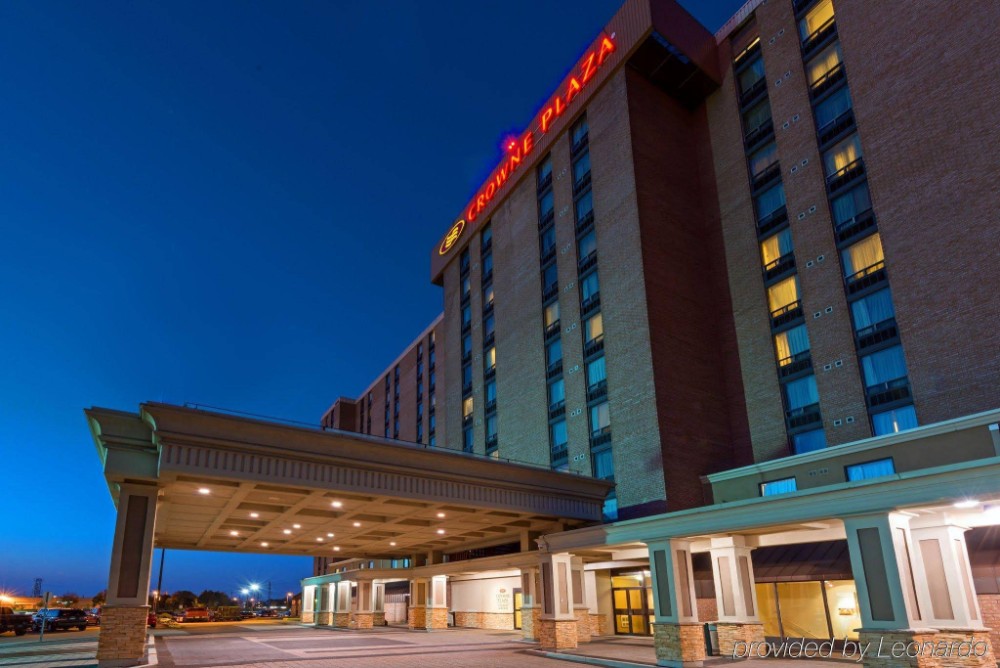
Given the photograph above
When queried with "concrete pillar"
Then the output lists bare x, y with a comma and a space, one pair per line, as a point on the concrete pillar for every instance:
531, 604
915, 589
735, 593
677, 634
428, 603
598, 626
557, 627
309, 596
363, 616
341, 595
122, 641
581, 610
324, 605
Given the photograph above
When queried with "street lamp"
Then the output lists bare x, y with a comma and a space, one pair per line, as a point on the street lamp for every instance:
246, 593
254, 587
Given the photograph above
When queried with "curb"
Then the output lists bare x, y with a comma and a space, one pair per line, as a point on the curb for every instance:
590, 660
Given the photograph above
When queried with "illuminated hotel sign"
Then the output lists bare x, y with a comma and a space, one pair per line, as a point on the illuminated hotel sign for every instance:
519, 149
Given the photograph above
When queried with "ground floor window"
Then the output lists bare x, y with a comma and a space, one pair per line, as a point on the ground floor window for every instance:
815, 609
632, 595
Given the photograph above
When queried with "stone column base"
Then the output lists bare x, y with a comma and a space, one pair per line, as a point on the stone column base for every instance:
731, 633
340, 620
529, 621
122, 641
416, 618
437, 618
928, 648
307, 617
362, 620
582, 624
679, 645
598, 625
324, 618
556, 634
378, 619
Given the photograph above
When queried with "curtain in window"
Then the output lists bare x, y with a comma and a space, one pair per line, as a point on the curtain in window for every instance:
596, 371
588, 244
581, 167
776, 246
490, 357
809, 441
600, 418
491, 391
757, 116
604, 465
778, 487
590, 286
584, 206
559, 435
550, 276
751, 75
783, 293
894, 421
850, 204
875, 469
832, 107
842, 154
883, 366
790, 343
557, 392
763, 158
491, 426
801, 392
551, 313
546, 204
815, 19
489, 325
554, 352
862, 255
770, 200
549, 238
823, 63
594, 327
873, 309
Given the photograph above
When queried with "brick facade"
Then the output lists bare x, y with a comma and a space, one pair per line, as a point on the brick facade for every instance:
989, 606
498, 621
531, 616
679, 644
324, 618
362, 620
732, 633
599, 625
122, 641
556, 634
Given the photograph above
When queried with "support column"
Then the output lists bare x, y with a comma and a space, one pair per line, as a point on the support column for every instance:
308, 612
341, 594
378, 604
324, 605
122, 641
363, 616
428, 603
735, 595
677, 634
580, 608
558, 625
531, 604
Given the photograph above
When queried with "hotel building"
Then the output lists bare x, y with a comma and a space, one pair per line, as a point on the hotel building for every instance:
732, 300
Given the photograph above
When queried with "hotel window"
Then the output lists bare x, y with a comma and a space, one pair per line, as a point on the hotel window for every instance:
845, 153
792, 345
584, 208
550, 316
491, 395
817, 18
884, 369
775, 247
545, 173
600, 420
867, 470
489, 327
763, 158
783, 486
466, 317
587, 245
466, 287
753, 73
894, 421
420, 410
557, 395
431, 422
546, 206
466, 346
593, 329
770, 201
467, 439
832, 108
430, 358
557, 436
464, 261
604, 465
430, 383
824, 63
864, 257
597, 376
579, 133
467, 406
467, 377
487, 297
491, 430
783, 293
801, 394
808, 441
550, 280
548, 237
872, 311
581, 171
486, 238
590, 287
757, 116
487, 266
850, 205
490, 359
553, 354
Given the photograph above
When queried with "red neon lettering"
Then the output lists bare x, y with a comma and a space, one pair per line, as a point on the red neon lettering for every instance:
546, 119
490, 189
529, 142
470, 215
515, 159
588, 68
607, 48
560, 107
572, 90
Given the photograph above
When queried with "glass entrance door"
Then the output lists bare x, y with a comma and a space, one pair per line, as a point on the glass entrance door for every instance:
518, 602
633, 603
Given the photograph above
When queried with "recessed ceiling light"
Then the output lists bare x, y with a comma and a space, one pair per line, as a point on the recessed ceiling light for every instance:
357, 524
234, 533
329, 535
264, 544
393, 543
255, 515
441, 515
967, 503
287, 531
336, 504
204, 490
296, 526
319, 538
440, 530
336, 549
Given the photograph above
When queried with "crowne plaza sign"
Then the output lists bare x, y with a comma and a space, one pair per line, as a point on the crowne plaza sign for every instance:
519, 149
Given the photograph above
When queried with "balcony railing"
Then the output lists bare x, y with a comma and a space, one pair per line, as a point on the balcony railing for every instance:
600, 437
845, 175
803, 416
597, 390
888, 392
853, 227
753, 92
838, 126
758, 134
593, 346
765, 176
819, 37
786, 314
579, 145
779, 267
590, 303
866, 278
557, 409
584, 223
793, 364
828, 81
545, 182
579, 186
554, 369
772, 220
548, 292
548, 255
544, 220
587, 262
552, 330
880, 332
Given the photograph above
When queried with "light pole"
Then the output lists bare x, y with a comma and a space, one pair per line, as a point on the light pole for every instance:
246, 593
254, 587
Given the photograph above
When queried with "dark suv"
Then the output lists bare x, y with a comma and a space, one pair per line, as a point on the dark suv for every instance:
59, 618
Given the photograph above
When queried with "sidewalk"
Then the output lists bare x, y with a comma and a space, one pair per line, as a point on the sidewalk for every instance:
61, 653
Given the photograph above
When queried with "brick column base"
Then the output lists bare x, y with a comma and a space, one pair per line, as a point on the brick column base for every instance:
122, 641
731, 633
554, 634
416, 618
363, 620
679, 645
598, 625
529, 621
324, 618
928, 648
307, 617
340, 620
582, 623
437, 618
378, 619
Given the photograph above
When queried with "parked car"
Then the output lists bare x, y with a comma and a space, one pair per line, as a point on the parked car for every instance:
227, 613
18, 622
196, 615
54, 619
151, 620
93, 618
267, 613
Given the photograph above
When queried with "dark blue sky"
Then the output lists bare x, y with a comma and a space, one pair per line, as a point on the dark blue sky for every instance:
231, 203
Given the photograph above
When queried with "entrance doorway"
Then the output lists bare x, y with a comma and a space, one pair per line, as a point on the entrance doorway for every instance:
812, 609
632, 595
518, 602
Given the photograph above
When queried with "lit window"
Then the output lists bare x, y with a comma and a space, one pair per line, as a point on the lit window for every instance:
490, 358
775, 247
808, 441
593, 328
783, 486
843, 154
557, 436
551, 314
867, 470
894, 421
770, 200
817, 18
824, 63
557, 394
783, 293
791, 345
487, 297
600, 419
763, 158
864, 257
467, 407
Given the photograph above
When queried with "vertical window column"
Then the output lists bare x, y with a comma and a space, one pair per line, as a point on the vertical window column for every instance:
466, 338
489, 343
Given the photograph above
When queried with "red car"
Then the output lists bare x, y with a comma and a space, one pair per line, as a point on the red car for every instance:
151, 620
